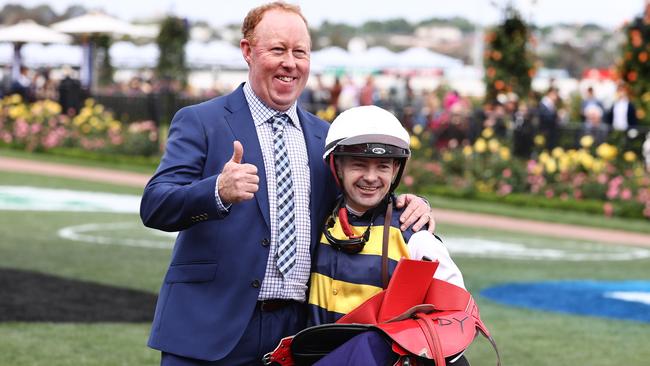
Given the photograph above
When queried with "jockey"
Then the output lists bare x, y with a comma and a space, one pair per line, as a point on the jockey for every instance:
425, 316
367, 150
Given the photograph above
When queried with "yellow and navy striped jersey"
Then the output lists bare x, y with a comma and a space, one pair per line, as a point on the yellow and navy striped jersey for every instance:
339, 281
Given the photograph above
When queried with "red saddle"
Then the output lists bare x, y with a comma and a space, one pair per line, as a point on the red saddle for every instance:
423, 316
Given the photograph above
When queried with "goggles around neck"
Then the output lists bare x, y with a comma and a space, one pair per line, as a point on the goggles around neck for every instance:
354, 243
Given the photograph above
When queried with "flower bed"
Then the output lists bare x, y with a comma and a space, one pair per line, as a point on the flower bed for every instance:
591, 178
41, 126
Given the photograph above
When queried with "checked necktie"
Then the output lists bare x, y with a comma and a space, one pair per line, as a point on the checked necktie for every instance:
286, 249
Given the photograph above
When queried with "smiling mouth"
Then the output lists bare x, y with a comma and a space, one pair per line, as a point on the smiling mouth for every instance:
286, 79
366, 189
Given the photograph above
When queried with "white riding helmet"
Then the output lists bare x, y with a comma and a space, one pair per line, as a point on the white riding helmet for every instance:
367, 125
367, 131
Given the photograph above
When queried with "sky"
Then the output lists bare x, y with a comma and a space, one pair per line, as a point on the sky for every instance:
607, 13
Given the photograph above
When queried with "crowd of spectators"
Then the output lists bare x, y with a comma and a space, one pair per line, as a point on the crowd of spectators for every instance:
456, 120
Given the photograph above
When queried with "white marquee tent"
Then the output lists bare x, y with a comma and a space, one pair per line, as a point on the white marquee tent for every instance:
380, 58
220, 54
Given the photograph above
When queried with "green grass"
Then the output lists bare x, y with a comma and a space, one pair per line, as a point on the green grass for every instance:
47, 344
525, 337
148, 166
529, 337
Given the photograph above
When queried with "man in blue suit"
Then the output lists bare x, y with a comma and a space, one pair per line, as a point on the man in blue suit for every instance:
223, 183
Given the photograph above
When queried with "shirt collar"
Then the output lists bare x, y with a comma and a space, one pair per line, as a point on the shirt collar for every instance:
262, 113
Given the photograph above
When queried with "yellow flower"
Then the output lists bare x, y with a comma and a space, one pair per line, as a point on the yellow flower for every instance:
417, 129
504, 152
551, 166
15, 99
94, 122
17, 111
114, 125
564, 163
538, 169
587, 161
37, 108
629, 156
543, 157
480, 145
646, 97
85, 113
98, 108
482, 187
415, 142
467, 150
487, 132
493, 145
557, 152
89, 102
539, 140
586, 141
52, 107
446, 156
606, 151
598, 166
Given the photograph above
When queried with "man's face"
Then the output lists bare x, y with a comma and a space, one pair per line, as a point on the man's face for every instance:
278, 58
365, 181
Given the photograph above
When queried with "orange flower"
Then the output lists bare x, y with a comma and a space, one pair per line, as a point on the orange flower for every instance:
499, 84
635, 38
643, 57
631, 76
532, 73
628, 56
496, 55
490, 72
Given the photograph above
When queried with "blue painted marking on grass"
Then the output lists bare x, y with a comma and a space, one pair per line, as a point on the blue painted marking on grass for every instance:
626, 300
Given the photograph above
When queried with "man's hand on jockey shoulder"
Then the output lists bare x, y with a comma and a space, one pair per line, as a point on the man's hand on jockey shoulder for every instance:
417, 213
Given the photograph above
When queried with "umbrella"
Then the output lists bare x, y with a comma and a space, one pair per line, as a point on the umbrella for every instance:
96, 23
28, 32
89, 24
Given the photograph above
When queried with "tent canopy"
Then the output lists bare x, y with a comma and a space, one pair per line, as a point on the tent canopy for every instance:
30, 32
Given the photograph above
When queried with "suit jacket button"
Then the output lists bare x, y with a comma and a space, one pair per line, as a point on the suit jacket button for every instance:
265, 242
255, 283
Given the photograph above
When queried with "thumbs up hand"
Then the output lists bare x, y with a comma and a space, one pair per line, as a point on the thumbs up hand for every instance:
238, 182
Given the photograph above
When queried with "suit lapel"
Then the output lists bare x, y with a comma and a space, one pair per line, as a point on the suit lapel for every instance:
315, 141
243, 128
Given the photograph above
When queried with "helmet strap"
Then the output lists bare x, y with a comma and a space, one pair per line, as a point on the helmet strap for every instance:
333, 169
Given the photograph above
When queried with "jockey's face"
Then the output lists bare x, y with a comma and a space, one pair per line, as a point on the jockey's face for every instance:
365, 181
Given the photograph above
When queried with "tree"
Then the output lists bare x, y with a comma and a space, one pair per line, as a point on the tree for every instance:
508, 59
174, 34
634, 68
106, 69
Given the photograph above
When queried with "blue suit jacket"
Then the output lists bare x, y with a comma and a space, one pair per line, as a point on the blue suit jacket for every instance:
209, 293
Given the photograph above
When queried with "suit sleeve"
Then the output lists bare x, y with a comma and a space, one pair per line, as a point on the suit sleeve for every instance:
181, 193
424, 244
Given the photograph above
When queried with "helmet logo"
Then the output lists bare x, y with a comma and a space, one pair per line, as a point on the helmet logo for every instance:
378, 150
